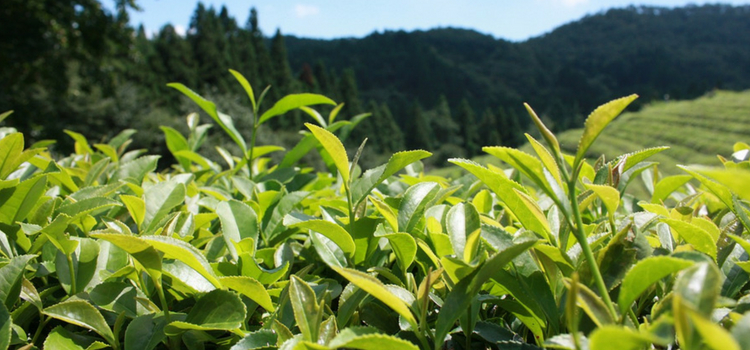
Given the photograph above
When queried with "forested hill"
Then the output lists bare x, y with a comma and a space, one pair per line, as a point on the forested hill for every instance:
70, 64
655, 52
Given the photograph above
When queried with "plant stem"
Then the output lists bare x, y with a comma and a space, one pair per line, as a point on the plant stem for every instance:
581, 237
39, 329
252, 146
163, 301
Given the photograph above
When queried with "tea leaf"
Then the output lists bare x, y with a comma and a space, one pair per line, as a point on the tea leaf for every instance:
597, 121
294, 101
645, 273
82, 314
335, 149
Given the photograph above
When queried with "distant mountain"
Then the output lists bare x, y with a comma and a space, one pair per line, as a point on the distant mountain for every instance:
654, 52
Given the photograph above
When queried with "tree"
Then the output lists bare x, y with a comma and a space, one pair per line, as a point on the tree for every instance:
488, 129
466, 120
445, 128
389, 130
511, 131
264, 77
419, 130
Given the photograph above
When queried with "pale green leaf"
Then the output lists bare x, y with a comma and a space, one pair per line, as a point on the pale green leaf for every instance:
245, 85
293, 101
332, 231
603, 338
306, 309
182, 251
694, 235
645, 273
609, 195
238, 221
378, 290
250, 288
368, 339
334, 147
597, 121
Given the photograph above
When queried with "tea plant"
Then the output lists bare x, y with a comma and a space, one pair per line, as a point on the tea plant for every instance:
101, 250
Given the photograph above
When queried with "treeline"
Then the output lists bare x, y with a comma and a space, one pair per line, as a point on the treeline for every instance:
71, 64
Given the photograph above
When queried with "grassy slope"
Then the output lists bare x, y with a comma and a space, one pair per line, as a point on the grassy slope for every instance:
696, 130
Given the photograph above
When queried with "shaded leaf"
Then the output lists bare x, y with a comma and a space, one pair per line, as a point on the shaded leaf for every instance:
82, 314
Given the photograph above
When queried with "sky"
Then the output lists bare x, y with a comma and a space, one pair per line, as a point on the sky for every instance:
514, 20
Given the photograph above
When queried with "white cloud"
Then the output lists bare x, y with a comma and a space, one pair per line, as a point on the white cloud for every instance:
303, 11
180, 29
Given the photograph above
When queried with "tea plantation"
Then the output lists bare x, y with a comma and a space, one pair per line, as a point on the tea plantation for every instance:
100, 250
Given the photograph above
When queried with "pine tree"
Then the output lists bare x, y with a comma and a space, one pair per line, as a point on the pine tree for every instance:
390, 131
466, 120
419, 130
349, 93
209, 44
177, 59
323, 79
488, 129
445, 128
511, 131
265, 76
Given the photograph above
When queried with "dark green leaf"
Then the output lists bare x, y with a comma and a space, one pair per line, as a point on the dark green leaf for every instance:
82, 314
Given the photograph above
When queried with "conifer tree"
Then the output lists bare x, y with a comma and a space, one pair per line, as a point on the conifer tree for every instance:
420, 132
511, 131
390, 131
466, 120
323, 79
445, 128
488, 129
265, 76
349, 93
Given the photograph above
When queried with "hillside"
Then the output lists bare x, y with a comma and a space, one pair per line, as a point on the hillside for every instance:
681, 52
696, 130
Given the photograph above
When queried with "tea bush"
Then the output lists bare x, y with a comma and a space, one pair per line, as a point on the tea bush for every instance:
100, 250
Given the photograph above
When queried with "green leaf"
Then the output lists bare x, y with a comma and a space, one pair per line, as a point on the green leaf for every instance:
62, 339
82, 314
285, 206
260, 339
238, 221
250, 288
741, 331
315, 115
86, 206
145, 332
223, 120
715, 336
332, 231
527, 212
405, 248
597, 121
373, 177
307, 311
368, 339
414, 203
293, 101
462, 219
330, 253
626, 339
119, 297
546, 134
6, 327
592, 304
699, 287
141, 250
11, 279
5, 115
609, 195
176, 143
525, 163
335, 149
667, 185
547, 159
215, 310
55, 232
160, 199
16, 202
378, 290
84, 266
136, 207
696, 236
135, 170
636, 157
246, 86
179, 250
460, 297
735, 179
645, 273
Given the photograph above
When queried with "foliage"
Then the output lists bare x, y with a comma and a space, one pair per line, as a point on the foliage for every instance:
101, 250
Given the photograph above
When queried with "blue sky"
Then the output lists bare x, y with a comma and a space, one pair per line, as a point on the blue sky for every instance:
508, 19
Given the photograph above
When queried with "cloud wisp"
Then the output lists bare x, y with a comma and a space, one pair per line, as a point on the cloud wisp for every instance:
302, 10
